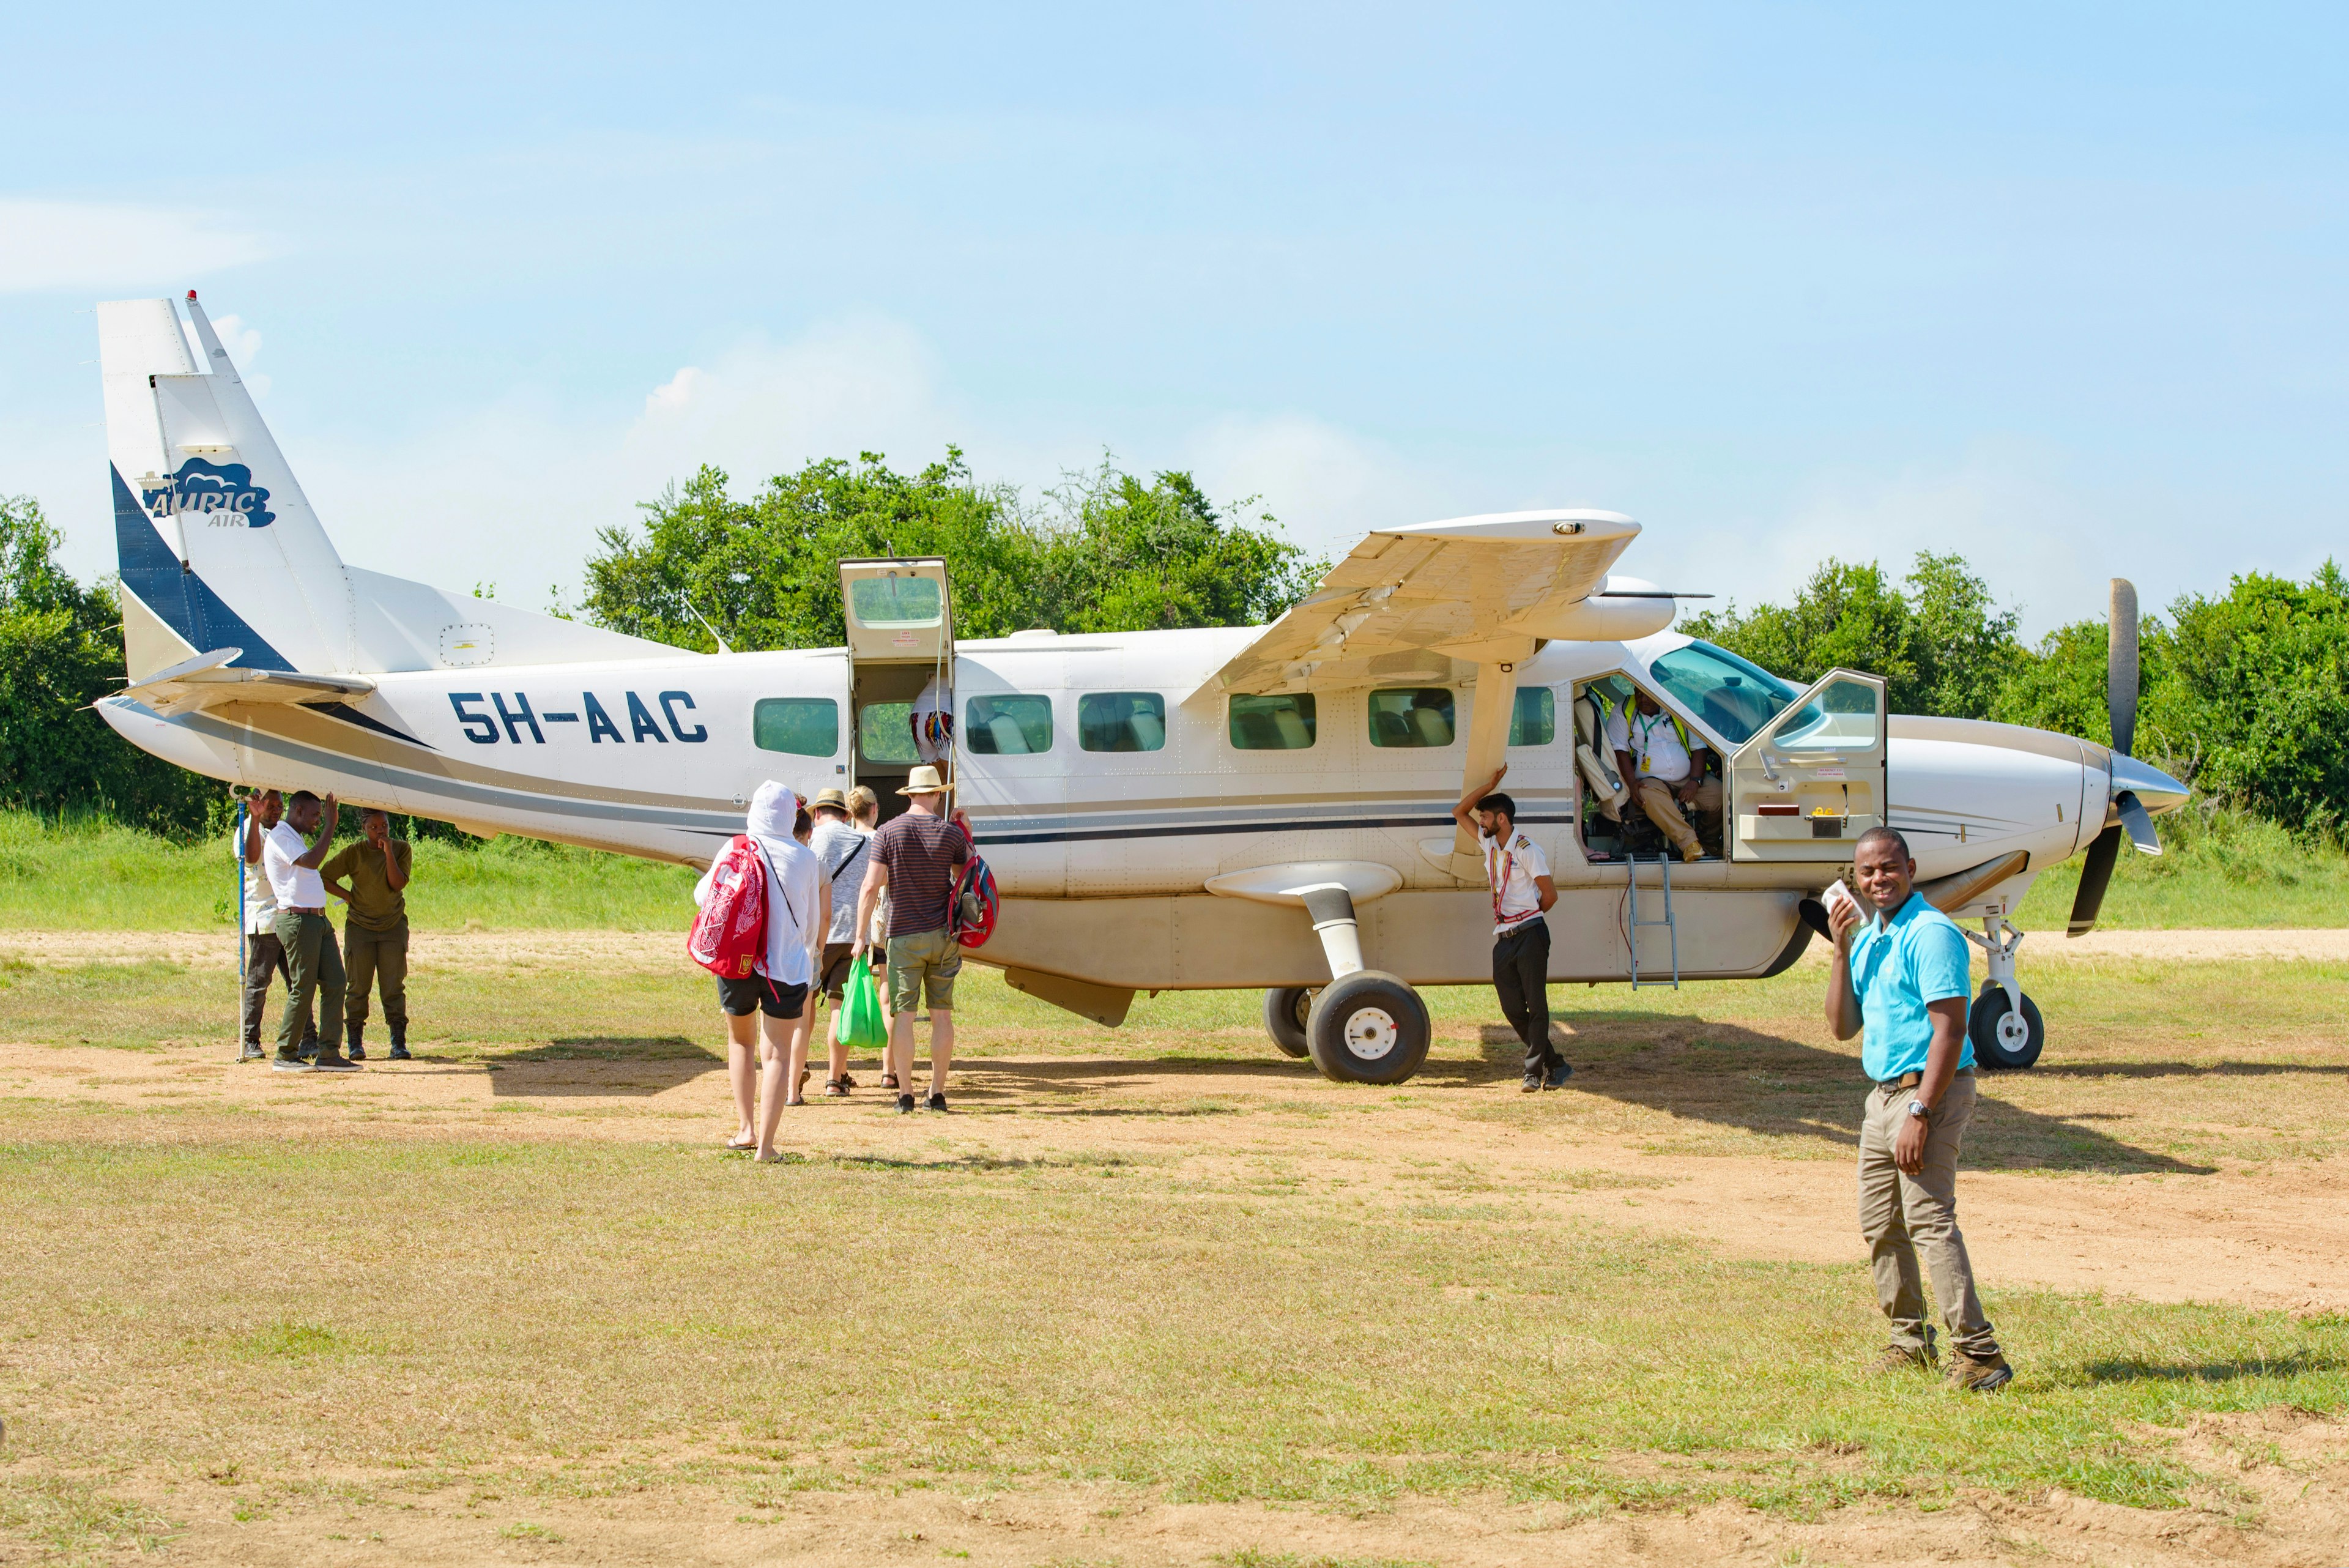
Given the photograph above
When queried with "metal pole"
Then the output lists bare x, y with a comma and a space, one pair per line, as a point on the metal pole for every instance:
238, 840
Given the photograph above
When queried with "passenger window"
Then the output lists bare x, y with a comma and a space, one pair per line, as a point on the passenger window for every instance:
1534, 722
1120, 722
1007, 725
1411, 716
804, 726
884, 733
1272, 723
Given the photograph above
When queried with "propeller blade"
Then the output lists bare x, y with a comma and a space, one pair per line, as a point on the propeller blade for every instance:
2138, 822
2095, 874
2120, 666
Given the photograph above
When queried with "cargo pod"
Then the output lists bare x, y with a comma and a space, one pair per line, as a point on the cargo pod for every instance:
900, 621
1812, 780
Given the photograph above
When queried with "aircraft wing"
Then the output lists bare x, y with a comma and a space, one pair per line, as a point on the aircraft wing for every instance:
210, 679
1415, 603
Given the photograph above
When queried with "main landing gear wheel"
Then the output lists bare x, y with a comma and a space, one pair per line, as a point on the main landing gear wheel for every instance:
1367, 1028
2004, 1037
1286, 1008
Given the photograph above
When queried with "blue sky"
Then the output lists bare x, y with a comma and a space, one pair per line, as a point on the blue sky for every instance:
2059, 287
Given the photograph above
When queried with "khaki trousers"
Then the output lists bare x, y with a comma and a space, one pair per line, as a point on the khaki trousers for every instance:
1899, 1214
371, 958
1664, 808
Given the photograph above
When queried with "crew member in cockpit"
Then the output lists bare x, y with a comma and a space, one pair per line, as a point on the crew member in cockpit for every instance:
1666, 767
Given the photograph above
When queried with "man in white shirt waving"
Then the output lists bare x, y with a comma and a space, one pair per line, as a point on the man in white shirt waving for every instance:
305, 933
1517, 872
1665, 767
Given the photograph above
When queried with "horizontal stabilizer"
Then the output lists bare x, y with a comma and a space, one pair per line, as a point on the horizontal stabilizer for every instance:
211, 679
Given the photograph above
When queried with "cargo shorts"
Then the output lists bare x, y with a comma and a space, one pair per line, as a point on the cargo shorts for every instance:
922, 965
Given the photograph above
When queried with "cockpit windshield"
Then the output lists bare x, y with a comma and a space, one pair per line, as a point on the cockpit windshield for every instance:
1731, 695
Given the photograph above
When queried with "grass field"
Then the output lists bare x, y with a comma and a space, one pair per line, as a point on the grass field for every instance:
511, 1299
92, 875
2222, 870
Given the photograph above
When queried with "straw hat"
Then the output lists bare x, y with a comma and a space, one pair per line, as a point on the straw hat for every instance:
924, 780
831, 797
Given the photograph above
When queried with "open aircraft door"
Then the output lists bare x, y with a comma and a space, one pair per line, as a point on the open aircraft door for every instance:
900, 622
1812, 780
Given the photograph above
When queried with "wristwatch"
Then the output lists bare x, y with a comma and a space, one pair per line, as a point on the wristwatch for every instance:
1919, 1109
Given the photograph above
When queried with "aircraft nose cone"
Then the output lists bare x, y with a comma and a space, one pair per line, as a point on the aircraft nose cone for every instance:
2154, 790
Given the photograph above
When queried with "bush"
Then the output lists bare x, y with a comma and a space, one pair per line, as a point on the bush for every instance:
60, 650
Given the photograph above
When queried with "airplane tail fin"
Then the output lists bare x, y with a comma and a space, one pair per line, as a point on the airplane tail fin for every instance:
219, 548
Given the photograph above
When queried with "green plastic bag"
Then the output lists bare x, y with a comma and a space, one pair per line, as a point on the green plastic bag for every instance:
864, 1026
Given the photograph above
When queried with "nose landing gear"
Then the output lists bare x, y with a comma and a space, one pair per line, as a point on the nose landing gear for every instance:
2003, 1024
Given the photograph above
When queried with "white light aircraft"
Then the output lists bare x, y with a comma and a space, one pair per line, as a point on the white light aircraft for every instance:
1257, 806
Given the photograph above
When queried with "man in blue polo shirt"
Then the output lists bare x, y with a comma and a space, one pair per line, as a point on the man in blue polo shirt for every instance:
1900, 972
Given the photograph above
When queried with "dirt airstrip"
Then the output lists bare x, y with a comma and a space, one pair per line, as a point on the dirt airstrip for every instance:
2263, 1233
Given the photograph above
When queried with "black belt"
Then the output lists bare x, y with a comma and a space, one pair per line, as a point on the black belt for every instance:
1911, 1080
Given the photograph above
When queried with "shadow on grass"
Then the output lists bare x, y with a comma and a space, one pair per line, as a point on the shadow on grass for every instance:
2187, 1070
598, 1066
1732, 1076
2133, 1370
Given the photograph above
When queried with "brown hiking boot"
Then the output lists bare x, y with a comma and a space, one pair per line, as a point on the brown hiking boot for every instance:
1985, 1374
1899, 1358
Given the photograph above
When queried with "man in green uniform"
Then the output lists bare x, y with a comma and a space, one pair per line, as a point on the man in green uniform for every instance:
370, 877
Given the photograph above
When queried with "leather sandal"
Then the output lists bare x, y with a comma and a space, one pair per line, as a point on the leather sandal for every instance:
837, 1088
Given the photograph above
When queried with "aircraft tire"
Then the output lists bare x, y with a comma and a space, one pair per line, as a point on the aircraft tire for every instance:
1982, 1021
1285, 1010
1369, 1028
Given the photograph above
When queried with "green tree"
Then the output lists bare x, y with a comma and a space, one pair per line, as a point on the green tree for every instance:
2253, 696
1111, 553
1942, 645
60, 650
1966, 645
1847, 616
1123, 555
2059, 685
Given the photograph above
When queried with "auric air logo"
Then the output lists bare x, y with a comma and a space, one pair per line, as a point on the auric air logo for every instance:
223, 495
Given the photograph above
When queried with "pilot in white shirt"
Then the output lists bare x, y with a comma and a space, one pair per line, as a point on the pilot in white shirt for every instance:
1664, 765
1517, 873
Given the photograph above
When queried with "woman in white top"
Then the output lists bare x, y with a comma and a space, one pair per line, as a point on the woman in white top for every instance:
775, 994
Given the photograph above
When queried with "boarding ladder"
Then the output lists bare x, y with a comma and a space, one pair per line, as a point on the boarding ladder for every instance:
1664, 862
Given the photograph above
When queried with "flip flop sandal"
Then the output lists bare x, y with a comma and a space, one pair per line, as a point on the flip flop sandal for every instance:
741, 1146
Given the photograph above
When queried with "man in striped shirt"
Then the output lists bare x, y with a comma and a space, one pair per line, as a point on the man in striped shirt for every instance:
917, 858
1517, 873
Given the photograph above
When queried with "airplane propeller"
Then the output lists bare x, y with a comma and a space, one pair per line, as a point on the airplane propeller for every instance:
2129, 818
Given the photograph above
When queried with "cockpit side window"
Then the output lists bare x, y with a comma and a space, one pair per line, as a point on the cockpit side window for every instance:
1733, 696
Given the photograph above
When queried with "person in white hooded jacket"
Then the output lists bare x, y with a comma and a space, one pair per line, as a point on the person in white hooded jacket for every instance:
799, 909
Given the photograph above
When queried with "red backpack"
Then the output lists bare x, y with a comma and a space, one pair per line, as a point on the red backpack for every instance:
970, 913
729, 933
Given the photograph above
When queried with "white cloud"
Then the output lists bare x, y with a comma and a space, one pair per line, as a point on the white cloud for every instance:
523, 485
2044, 545
763, 408
1327, 486
89, 246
